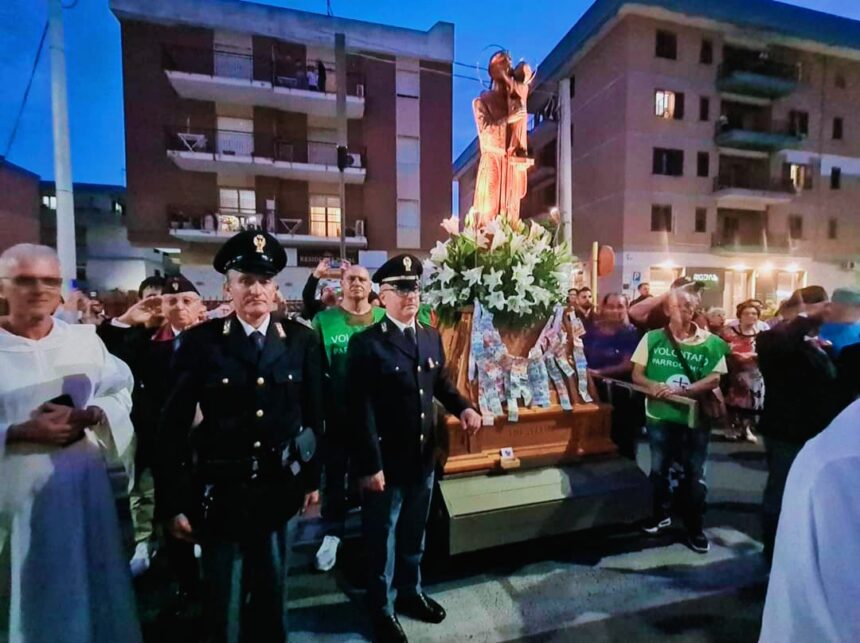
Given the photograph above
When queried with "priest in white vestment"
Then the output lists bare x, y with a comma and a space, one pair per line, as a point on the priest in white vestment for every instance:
814, 590
64, 410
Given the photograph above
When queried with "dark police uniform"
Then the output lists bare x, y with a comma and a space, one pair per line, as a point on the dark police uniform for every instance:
393, 380
242, 472
148, 353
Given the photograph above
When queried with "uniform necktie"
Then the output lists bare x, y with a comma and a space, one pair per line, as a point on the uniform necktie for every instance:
410, 335
259, 341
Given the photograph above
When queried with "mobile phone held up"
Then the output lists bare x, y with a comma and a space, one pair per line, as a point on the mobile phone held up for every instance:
334, 264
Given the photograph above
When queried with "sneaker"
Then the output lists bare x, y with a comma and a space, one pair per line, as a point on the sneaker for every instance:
749, 436
655, 525
698, 542
141, 560
327, 554
198, 551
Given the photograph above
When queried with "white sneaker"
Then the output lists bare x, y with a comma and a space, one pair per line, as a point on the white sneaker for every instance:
327, 554
141, 561
748, 436
198, 552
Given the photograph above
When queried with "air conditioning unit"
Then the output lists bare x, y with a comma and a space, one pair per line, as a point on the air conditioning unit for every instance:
354, 159
359, 227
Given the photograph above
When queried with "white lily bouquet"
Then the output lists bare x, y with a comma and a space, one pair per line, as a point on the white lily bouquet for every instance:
514, 270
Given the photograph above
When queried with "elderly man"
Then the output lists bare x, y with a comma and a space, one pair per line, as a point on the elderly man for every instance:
237, 435
395, 369
148, 351
685, 360
64, 407
336, 326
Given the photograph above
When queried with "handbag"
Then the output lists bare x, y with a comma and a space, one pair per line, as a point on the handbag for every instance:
711, 403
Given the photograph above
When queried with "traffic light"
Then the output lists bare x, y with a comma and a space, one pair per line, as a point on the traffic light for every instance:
344, 158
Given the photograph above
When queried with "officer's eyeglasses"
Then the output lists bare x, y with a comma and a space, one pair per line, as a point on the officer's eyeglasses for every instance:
26, 281
403, 292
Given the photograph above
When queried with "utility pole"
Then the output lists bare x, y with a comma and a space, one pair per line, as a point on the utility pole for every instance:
565, 162
343, 158
62, 154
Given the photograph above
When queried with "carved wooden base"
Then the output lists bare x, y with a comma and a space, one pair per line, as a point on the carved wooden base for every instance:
542, 437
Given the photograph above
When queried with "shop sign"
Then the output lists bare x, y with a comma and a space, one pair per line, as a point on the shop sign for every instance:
310, 257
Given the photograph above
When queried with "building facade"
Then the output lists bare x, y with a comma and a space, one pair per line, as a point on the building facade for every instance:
105, 257
19, 205
717, 141
230, 122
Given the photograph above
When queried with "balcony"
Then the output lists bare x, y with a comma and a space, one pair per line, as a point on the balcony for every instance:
731, 242
748, 192
208, 150
757, 77
199, 225
243, 79
773, 137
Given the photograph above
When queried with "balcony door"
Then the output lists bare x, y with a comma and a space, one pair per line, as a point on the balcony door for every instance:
237, 209
235, 136
325, 215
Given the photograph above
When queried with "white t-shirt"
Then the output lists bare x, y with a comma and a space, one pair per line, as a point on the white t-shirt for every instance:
814, 590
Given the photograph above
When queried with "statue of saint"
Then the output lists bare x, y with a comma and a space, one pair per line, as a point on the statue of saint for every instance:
501, 119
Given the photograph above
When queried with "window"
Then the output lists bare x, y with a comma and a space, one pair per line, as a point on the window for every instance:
667, 45
832, 228
668, 104
49, 202
799, 175
840, 81
795, 226
701, 219
237, 201
835, 178
661, 218
703, 164
706, 53
799, 122
408, 83
704, 108
324, 215
837, 129
572, 86
668, 162
118, 208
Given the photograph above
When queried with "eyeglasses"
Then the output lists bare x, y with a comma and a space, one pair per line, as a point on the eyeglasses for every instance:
26, 281
403, 292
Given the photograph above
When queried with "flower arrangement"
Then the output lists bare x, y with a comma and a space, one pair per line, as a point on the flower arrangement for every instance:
512, 269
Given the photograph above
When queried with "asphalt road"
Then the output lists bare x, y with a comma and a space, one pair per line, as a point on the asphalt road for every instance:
612, 584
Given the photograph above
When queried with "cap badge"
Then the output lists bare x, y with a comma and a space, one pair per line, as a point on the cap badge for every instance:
260, 243
407, 264
175, 286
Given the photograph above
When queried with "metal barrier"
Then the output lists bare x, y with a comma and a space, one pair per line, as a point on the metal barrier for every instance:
691, 404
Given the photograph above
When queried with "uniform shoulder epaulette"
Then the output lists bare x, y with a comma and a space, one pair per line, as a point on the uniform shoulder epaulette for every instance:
297, 318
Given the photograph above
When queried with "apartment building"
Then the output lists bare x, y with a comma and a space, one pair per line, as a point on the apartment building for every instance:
230, 123
719, 140
19, 207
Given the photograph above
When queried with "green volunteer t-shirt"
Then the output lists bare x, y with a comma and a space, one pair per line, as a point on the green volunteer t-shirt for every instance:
705, 353
335, 326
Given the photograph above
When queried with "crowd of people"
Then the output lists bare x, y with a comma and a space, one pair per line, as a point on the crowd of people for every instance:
229, 422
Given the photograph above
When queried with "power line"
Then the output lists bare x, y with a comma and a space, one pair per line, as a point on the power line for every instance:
14, 131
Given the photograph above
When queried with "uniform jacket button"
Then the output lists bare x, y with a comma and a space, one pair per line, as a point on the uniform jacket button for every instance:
257, 445
260, 381
422, 416
290, 376
259, 413
226, 380
419, 369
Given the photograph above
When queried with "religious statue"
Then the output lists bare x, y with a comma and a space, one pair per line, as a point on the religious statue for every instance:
501, 119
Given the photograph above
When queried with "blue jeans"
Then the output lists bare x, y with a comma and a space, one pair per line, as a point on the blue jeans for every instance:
393, 524
688, 447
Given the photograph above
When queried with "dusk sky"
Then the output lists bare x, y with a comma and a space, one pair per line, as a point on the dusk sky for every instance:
529, 30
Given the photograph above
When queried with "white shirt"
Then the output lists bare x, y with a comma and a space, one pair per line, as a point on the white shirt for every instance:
263, 328
814, 590
400, 324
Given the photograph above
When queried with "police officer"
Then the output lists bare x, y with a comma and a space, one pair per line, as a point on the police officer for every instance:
249, 385
395, 369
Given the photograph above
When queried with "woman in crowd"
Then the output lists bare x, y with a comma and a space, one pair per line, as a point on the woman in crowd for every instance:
716, 319
745, 385
609, 344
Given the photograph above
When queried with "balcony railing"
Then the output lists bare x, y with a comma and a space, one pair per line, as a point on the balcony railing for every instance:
734, 241
760, 67
228, 220
279, 70
752, 182
758, 135
259, 145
